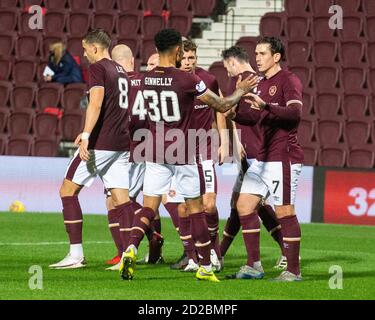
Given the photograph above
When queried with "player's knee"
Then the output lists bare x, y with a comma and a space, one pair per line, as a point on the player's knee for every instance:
68, 190
182, 210
210, 207
284, 211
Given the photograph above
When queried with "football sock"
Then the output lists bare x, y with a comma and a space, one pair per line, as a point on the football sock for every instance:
201, 237
172, 209
114, 227
126, 216
140, 227
213, 228
76, 250
272, 224
231, 229
73, 219
156, 225
292, 238
251, 235
187, 239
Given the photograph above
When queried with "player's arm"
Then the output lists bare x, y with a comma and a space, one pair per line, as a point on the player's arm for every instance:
223, 126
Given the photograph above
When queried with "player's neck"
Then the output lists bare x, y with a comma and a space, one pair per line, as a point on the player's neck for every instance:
104, 55
166, 62
272, 71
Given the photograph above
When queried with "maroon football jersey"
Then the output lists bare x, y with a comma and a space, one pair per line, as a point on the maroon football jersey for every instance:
249, 134
203, 116
169, 95
280, 90
296, 155
111, 131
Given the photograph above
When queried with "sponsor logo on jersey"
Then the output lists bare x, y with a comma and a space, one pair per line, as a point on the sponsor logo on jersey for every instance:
198, 107
273, 91
201, 86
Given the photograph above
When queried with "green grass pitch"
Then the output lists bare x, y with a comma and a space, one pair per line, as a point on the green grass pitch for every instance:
40, 239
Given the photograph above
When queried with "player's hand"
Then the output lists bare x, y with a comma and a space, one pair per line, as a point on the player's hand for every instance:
231, 114
77, 141
255, 101
249, 83
83, 150
223, 153
240, 152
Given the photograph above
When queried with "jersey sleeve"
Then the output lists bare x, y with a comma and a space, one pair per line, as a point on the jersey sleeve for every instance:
96, 76
293, 90
196, 85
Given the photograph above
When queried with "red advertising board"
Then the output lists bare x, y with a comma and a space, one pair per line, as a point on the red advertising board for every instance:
349, 198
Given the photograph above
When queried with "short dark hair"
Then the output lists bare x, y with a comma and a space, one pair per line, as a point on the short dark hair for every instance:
189, 45
236, 52
276, 45
167, 39
100, 37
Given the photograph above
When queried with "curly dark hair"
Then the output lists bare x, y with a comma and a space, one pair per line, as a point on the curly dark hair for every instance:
167, 39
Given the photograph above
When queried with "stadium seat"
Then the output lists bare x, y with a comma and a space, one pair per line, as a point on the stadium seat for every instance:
203, 8
355, 105
71, 124
40, 70
45, 147
249, 44
23, 96
181, 21
352, 53
329, 131
3, 143
76, 5
371, 54
45, 125
20, 145
178, 5
221, 74
5, 93
47, 41
310, 155
357, 131
7, 43
106, 20
128, 23
304, 73
361, 157
326, 78
371, 79
148, 48
353, 27
353, 78
79, 22
328, 104
23, 22
74, 46
368, 7
308, 100
320, 7
4, 116
324, 52
297, 27
24, 70
21, 121
55, 4
8, 19
8, 3
370, 30
153, 6
295, 7
319, 28
49, 95
128, 5
151, 25
349, 6
298, 52
306, 132
29, 3
135, 44
5, 68
73, 94
272, 24
333, 156
104, 5
28, 44
54, 21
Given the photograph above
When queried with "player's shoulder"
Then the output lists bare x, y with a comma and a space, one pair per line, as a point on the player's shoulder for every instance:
202, 73
134, 75
289, 76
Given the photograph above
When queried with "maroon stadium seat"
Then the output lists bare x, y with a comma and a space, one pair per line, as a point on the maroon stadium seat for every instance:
103, 5
353, 27
370, 30
24, 70
320, 7
106, 20
155, 6
47, 41
328, 104
306, 132
151, 25
45, 125
272, 24
54, 21
349, 6
326, 78
5, 93
249, 44
329, 131
369, 7
372, 106
371, 79
361, 157
355, 104
135, 44
3, 143
203, 8
45, 147
298, 27
181, 21
353, 78
28, 44
324, 52
79, 22
319, 29
23, 22
371, 53
298, 52
8, 19
28, 3
74, 46
295, 7
40, 70
49, 95
4, 115
128, 5
308, 100
357, 131
73, 94
352, 52
55, 4
310, 155
333, 156
75, 5
128, 23
21, 121
8, 3
304, 73
20, 145
71, 124
178, 5
7, 43
221, 74
148, 48
5, 68
23, 96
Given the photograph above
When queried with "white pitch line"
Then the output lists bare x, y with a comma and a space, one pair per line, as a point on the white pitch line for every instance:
3, 244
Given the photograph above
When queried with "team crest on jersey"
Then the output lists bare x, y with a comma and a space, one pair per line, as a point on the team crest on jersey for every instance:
273, 91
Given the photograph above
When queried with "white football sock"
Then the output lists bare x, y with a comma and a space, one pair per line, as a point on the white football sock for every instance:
208, 268
76, 250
